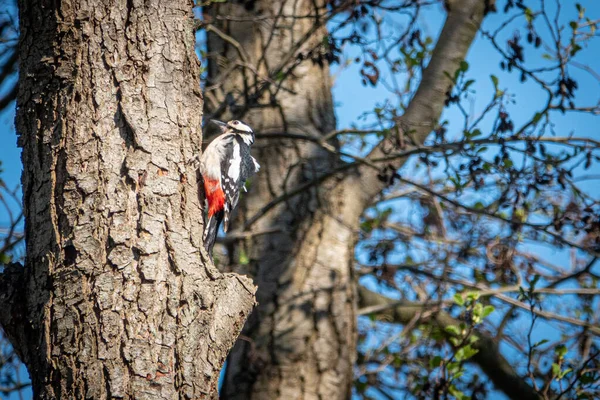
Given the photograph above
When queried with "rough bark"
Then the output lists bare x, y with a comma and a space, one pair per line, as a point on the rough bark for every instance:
116, 299
300, 341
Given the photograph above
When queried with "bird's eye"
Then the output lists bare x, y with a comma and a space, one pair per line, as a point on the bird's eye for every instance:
236, 122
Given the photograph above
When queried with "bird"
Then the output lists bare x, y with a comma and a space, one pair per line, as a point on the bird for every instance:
225, 166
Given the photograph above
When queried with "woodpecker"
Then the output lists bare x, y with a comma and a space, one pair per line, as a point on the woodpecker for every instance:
225, 166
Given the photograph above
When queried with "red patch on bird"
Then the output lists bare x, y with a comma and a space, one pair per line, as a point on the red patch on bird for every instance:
214, 195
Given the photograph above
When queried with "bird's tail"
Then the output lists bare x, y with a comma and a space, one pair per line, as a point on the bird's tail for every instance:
211, 230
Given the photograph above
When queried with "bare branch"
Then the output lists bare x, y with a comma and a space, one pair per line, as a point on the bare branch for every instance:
424, 110
488, 357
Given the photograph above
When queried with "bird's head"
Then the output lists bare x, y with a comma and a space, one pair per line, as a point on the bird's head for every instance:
235, 126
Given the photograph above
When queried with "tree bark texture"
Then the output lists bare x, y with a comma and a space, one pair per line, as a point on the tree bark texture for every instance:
300, 341
117, 299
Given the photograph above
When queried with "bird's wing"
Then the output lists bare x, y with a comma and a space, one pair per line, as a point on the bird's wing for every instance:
231, 165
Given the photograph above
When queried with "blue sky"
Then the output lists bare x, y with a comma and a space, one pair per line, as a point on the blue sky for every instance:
352, 99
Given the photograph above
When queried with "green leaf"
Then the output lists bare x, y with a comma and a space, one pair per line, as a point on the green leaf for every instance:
565, 372
580, 9
547, 56
519, 215
575, 49
468, 83
464, 66
494, 80
541, 342
458, 299
529, 15
360, 386
487, 310
522, 294
452, 329
279, 76
367, 226
244, 260
453, 367
473, 296
507, 163
560, 351
477, 310
587, 378
435, 362
555, 369
455, 392
464, 353
436, 334
533, 282
449, 76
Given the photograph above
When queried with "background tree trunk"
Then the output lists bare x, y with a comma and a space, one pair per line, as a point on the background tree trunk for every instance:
116, 299
301, 338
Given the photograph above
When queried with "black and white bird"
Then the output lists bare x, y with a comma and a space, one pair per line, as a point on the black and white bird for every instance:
225, 166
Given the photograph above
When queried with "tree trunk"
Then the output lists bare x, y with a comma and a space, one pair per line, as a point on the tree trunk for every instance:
117, 299
300, 341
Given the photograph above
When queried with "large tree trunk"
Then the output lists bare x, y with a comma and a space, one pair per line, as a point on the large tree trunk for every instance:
116, 300
300, 341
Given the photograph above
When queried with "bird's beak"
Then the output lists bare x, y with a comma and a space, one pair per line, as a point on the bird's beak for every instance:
222, 125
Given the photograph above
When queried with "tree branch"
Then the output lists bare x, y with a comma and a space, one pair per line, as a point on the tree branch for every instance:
424, 110
489, 358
